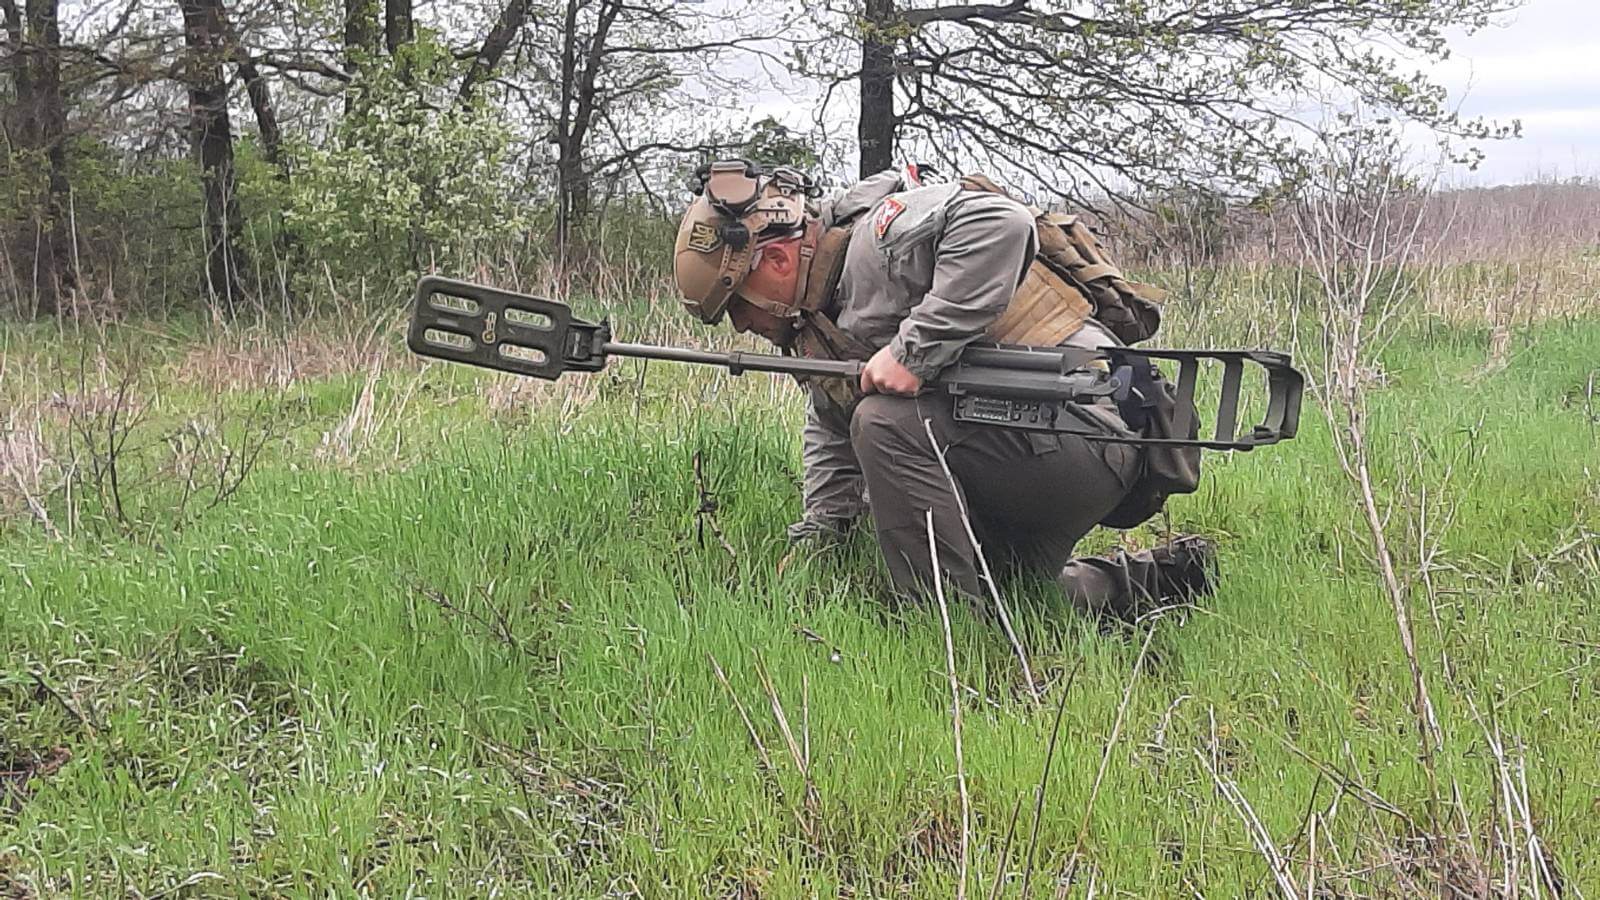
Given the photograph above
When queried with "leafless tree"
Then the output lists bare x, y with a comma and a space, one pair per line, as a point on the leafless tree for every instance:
601, 73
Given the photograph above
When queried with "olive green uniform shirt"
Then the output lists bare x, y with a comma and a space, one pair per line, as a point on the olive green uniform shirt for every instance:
927, 271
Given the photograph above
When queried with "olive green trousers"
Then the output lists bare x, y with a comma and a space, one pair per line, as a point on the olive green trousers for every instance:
1030, 497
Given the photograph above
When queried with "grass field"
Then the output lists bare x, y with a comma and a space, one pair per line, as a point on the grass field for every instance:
457, 636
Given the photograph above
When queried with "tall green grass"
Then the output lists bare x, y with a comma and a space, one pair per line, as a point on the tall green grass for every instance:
479, 658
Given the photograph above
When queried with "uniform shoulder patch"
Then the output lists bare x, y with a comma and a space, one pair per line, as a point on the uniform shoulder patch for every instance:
703, 238
887, 211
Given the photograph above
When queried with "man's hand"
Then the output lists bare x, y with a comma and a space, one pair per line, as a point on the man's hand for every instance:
883, 374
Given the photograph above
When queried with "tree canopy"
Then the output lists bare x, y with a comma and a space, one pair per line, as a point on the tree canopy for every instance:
233, 144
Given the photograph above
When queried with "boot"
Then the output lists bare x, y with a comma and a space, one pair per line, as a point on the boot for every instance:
1186, 569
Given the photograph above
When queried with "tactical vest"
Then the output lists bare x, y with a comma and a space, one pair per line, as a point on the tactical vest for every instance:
1070, 280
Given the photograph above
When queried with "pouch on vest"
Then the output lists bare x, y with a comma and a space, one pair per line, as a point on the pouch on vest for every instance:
1128, 309
1153, 411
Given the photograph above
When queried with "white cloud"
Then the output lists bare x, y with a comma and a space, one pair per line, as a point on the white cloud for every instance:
1542, 66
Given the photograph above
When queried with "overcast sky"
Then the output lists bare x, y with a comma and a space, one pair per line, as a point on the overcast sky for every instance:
1542, 67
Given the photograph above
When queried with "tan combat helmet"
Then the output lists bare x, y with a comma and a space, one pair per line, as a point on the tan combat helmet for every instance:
740, 207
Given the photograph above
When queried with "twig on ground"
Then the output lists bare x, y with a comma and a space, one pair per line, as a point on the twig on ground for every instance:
82, 717
1346, 783
983, 563
955, 709
498, 627
706, 513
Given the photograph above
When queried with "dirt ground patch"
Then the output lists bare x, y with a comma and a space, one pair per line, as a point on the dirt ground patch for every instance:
20, 768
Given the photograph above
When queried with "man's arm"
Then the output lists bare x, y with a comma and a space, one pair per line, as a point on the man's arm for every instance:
979, 260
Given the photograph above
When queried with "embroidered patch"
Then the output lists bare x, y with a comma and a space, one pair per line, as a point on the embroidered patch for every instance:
886, 214
703, 238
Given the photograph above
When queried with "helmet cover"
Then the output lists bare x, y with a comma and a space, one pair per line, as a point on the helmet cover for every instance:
741, 207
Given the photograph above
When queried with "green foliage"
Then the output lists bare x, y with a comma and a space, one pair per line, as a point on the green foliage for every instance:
774, 143
135, 224
407, 178
478, 659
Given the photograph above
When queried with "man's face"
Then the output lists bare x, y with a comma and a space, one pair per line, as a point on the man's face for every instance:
775, 276
746, 317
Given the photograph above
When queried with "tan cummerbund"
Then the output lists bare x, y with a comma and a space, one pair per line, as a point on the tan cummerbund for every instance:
1045, 311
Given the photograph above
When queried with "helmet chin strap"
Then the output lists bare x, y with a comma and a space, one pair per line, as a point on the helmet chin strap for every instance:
788, 308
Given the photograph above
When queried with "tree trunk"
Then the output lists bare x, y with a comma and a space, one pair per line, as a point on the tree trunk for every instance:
256, 89
494, 46
211, 136
13, 119
578, 103
398, 28
361, 32
36, 125
568, 165
14, 60
573, 205
876, 128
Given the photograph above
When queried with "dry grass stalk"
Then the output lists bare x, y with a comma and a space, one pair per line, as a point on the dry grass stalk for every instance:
1525, 862
1081, 843
955, 710
799, 750
1281, 868
258, 358
1044, 779
809, 814
25, 462
749, 726
346, 442
1005, 851
983, 563
358, 432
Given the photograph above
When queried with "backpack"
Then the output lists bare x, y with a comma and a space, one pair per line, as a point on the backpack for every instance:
1155, 410
1071, 278
1130, 310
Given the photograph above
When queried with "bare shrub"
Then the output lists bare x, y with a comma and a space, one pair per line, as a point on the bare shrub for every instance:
1359, 219
1502, 258
99, 455
255, 359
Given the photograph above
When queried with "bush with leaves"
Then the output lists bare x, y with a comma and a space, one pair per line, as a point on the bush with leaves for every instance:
409, 179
